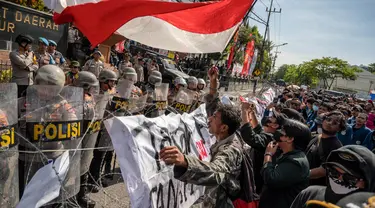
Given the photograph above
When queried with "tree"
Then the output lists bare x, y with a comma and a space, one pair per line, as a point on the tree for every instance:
281, 72
35, 4
300, 75
371, 68
328, 69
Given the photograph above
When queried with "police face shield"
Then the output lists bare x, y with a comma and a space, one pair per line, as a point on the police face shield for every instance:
124, 88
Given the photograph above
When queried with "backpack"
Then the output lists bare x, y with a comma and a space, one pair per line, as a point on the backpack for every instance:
247, 197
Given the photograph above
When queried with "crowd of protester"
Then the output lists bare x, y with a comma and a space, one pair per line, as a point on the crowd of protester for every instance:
310, 149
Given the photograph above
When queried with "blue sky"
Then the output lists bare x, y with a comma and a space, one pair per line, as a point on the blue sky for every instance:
317, 28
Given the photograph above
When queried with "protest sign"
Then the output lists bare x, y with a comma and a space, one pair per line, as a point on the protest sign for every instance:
138, 140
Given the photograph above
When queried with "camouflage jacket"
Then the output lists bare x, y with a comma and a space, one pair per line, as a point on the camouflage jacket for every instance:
220, 176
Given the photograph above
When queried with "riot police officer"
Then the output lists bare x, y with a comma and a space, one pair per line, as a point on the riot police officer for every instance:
23, 64
8, 146
93, 115
192, 83
201, 85
107, 81
49, 104
178, 83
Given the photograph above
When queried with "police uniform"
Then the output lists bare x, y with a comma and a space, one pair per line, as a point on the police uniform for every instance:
94, 67
23, 66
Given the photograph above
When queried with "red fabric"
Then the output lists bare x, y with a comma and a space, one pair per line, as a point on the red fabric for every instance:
232, 50
248, 57
97, 21
239, 203
120, 46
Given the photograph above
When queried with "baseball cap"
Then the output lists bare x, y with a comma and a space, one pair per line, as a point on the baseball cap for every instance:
345, 160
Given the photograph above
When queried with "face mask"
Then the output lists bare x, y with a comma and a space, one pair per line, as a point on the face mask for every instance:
338, 187
315, 108
319, 131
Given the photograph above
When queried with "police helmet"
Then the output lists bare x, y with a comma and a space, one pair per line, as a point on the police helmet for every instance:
128, 72
50, 75
86, 80
155, 77
201, 81
192, 80
106, 75
75, 64
43, 40
180, 81
24, 39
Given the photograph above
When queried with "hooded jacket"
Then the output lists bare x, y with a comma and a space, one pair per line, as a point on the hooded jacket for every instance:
366, 162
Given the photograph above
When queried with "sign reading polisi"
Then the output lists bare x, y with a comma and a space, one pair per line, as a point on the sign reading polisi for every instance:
54, 131
16, 19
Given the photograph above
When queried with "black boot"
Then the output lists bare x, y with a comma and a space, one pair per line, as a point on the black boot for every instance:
82, 197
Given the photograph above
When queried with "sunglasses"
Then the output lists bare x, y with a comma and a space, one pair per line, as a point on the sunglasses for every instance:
346, 177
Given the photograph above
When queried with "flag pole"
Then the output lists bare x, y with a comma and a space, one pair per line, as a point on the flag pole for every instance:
247, 13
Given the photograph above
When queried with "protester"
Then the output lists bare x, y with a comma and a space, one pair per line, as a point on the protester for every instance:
257, 137
289, 174
349, 169
321, 146
220, 175
361, 135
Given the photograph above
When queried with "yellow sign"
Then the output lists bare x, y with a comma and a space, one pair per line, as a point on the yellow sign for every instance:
257, 72
182, 107
7, 137
94, 127
161, 105
55, 131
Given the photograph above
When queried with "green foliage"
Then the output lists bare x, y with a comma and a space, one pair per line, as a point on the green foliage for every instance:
300, 74
5, 75
371, 68
281, 72
326, 69
35, 4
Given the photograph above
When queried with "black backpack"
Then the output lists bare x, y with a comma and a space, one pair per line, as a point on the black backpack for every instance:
247, 192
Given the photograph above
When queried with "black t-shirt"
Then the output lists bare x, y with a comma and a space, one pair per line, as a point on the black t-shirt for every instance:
318, 154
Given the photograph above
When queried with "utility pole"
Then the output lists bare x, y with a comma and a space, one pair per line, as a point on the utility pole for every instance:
264, 40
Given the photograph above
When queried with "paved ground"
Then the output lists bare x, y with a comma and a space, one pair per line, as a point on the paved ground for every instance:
115, 195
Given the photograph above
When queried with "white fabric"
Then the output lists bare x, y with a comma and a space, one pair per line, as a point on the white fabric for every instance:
45, 184
157, 33
138, 140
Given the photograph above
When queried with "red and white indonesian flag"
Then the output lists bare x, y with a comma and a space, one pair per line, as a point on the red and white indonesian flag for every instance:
185, 27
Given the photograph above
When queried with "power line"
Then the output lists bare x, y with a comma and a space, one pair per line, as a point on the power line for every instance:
258, 17
278, 4
256, 20
263, 3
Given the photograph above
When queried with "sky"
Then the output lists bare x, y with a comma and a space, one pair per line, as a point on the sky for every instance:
317, 28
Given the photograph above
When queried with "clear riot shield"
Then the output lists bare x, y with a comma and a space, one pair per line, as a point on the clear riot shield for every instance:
54, 124
8, 146
118, 105
159, 101
184, 100
94, 108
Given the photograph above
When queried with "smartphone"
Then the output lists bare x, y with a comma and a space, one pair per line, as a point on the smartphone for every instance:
275, 100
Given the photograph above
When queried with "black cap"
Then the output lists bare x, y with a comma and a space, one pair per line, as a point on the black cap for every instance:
346, 161
24, 38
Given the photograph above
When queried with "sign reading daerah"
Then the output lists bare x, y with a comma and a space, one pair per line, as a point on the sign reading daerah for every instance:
16, 19
138, 140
